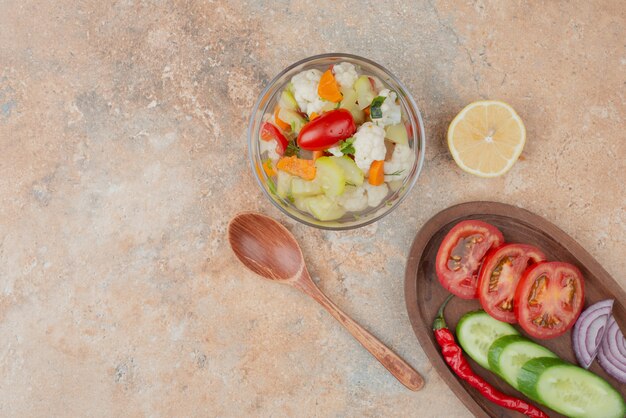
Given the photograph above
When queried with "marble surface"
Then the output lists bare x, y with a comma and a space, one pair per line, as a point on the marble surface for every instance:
123, 156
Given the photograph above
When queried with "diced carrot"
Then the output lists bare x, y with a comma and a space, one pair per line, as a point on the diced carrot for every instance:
328, 88
377, 173
317, 154
267, 167
313, 116
281, 124
367, 112
297, 167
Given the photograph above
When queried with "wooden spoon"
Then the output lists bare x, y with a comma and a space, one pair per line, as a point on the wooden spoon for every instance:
268, 249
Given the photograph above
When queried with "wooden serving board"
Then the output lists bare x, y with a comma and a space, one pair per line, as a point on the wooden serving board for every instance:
424, 294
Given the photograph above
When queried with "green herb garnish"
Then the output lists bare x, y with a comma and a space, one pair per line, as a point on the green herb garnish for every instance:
292, 149
375, 111
346, 146
396, 173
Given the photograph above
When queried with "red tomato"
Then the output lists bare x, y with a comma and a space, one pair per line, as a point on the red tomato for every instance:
269, 132
499, 275
549, 298
461, 253
327, 130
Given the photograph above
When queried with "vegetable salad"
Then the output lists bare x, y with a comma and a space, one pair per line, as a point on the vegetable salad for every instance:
336, 143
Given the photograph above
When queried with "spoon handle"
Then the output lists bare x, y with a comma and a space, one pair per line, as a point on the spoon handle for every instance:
392, 362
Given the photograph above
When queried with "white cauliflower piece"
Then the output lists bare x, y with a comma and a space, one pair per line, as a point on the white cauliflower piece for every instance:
369, 145
269, 147
391, 111
345, 74
305, 91
400, 164
353, 199
375, 194
336, 151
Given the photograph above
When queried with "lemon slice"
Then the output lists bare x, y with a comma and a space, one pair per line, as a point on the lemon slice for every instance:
486, 138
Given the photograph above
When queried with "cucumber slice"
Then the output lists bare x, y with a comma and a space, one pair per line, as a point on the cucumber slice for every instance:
283, 183
349, 103
476, 331
301, 203
353, 173
302, 188
509, 353
364, 91
293, 118
287, 101
326, 107
570, 390
330, 176
397, 133
324, 209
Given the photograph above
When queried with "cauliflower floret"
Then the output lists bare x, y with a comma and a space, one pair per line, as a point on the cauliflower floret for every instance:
305, 91
392, 113
345, 74
270, 148
369, 145
353, 199
400, 164
375, 194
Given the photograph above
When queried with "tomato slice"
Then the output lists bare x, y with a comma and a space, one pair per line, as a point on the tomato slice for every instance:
499, 275
269, 132
461, 253
549, 298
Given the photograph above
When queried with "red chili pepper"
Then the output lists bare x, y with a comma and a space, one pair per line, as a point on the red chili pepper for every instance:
269, 132
453, 355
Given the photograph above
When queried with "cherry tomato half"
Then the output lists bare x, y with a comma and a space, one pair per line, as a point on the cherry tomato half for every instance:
461, 253
269, 132
499, 275
327, 130
549, 298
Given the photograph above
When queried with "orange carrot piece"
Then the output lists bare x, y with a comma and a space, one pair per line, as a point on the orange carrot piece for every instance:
317, 154
284, 126
269, 170
313, 116
367, 112
297, 167
328, 88
377, 173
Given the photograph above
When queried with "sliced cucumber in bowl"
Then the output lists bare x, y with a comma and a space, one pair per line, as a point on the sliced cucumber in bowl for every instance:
353, 173
330, 176
324, 208
364, 91
304, 188
293, 118
283, 183
287, 101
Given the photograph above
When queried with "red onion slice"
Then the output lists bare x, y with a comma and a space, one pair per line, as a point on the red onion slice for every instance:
612, 354
589, 330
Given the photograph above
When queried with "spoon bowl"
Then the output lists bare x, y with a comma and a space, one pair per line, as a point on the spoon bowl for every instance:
265, 246
268, 249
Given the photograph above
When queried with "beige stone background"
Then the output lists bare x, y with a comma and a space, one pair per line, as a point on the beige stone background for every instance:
123, 156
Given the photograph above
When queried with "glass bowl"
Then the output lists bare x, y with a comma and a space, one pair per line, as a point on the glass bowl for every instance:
411, 115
